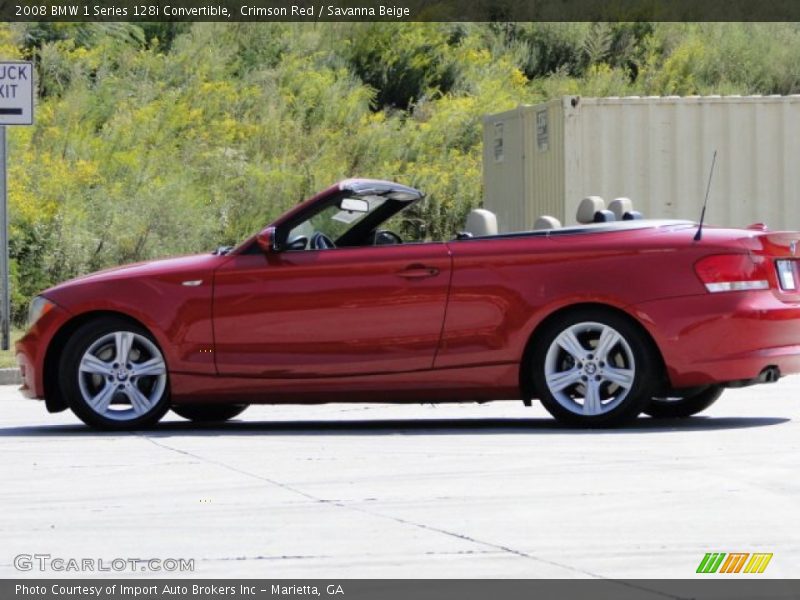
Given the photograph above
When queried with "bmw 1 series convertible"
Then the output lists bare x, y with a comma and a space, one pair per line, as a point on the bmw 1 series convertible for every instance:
600, 322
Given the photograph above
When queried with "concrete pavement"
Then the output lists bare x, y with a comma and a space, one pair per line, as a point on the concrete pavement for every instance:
346, 491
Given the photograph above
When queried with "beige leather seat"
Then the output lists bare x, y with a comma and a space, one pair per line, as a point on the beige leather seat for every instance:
547, 222
623, 210
588, 208
481, 222
620, 207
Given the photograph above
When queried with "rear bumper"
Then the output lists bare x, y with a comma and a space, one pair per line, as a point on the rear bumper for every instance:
32, 348
724, 338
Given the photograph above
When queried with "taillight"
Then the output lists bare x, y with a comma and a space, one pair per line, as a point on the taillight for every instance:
733, 272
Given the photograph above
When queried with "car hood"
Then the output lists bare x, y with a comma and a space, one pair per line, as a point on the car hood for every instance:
168, 267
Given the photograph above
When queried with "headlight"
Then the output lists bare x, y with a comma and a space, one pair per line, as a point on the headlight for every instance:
39, 307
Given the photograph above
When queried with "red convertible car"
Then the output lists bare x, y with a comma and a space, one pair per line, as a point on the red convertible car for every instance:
600, 322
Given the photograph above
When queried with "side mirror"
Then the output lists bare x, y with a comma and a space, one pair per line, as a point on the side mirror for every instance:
267, 241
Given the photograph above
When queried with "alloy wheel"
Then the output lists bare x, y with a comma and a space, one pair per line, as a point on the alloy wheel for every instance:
122, 376
589, 368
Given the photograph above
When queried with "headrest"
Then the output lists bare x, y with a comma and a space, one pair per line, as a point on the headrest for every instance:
547, 222
481, 222
588, 207
620, 206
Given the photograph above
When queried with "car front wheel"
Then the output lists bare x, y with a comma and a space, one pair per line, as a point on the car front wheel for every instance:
208, 413
594, 368
684, 406
114, 376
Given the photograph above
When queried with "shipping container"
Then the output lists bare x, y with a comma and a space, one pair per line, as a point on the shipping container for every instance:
657, 151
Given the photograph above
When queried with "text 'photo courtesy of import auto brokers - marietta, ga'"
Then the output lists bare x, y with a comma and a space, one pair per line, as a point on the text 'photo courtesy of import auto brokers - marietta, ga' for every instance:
136, 591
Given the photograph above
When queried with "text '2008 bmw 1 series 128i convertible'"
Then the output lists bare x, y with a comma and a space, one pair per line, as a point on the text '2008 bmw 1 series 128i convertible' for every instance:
599, 322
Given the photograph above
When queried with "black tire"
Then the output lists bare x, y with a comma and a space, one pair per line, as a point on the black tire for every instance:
633, 356
208, 413
73, 381
680, 408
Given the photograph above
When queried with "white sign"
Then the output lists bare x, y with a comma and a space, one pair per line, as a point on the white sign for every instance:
16, 93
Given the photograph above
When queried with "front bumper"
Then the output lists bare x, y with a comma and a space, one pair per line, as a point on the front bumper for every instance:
724, 338
32, 348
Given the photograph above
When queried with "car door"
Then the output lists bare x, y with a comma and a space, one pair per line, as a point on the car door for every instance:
333, 312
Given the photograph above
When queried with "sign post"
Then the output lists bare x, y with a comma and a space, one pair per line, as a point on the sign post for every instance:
16, 108
5, 298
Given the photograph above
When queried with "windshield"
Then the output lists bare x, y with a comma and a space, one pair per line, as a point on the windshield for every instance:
332, 221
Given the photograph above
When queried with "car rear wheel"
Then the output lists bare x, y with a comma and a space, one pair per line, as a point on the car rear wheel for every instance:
209, 413
594, 368
684, 406
114, 376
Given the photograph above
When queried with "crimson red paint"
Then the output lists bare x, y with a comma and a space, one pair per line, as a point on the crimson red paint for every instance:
432, 321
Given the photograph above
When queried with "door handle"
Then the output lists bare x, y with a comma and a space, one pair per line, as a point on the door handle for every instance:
418, 272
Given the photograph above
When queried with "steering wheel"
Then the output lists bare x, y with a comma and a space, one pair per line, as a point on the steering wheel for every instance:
384, 237
320, 241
